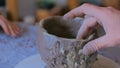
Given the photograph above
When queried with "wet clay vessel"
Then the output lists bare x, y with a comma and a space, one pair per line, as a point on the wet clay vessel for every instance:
59, 47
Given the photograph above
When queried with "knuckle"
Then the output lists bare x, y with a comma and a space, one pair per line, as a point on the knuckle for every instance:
110, 7
109, 10
85, 4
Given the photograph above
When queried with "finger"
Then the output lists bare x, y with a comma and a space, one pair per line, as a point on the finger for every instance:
77, 12
16, 26
87, 27
97, 44
87, 9
16, 29
5, 20
11, 28
5, 27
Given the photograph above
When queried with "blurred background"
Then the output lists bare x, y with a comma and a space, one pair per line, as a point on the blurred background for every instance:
35, 10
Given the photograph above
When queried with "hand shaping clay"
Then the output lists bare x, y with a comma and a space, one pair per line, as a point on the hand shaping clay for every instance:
58, 46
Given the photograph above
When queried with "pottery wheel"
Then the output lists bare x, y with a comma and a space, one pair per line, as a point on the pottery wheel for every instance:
36, 62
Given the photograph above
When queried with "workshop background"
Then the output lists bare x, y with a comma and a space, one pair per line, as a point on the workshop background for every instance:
18, 10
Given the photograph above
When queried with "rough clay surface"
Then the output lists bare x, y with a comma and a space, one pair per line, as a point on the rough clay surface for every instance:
58, 49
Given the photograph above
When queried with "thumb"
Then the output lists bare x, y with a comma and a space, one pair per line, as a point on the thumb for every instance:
97, 44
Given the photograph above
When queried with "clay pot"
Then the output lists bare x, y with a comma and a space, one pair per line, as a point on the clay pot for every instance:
59, 48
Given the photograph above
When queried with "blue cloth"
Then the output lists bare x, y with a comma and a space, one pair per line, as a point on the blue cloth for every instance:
13, 50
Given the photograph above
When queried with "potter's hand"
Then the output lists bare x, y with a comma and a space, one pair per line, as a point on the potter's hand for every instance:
8, 27
107, 17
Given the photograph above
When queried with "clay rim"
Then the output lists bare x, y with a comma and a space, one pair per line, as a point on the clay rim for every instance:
43, 23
